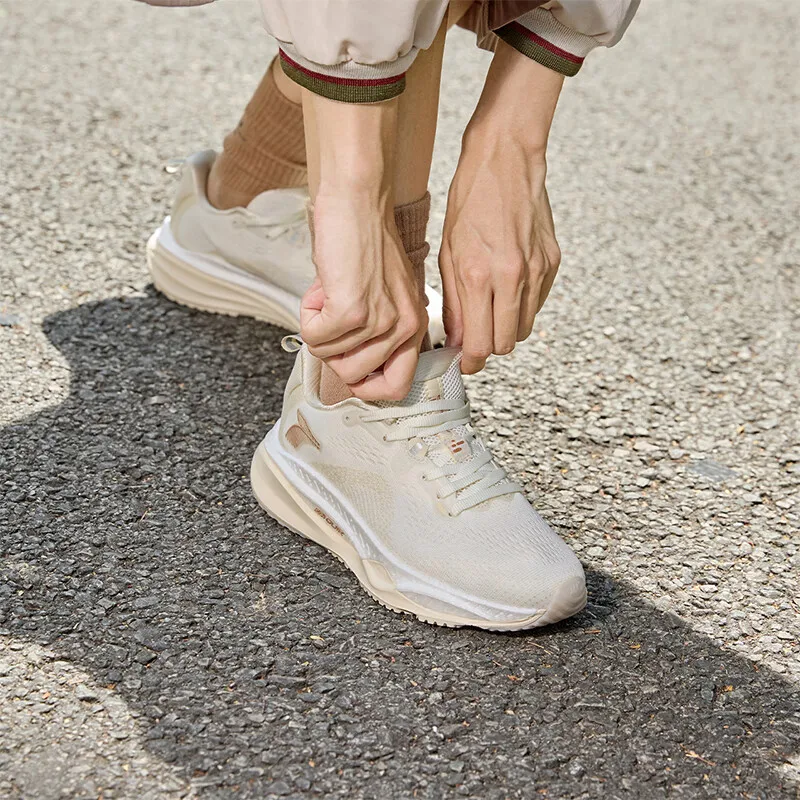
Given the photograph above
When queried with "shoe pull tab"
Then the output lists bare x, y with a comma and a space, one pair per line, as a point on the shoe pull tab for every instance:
292, 343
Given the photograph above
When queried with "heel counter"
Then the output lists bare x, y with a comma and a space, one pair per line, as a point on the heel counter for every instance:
190, 207
185, 196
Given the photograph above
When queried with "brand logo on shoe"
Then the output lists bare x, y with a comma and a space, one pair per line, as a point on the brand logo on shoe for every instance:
300, 433
327, 519
456, 446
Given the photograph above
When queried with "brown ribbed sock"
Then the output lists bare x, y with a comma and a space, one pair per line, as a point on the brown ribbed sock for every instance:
412, 224
412, 221
267, 150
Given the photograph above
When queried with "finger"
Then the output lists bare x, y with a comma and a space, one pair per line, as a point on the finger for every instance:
332, 332
547, 285
349, 342
451, 306
394, 381
354, 365
314, 298
357, 364
476, 304
311, 303
506, 312
529, 305
319, 327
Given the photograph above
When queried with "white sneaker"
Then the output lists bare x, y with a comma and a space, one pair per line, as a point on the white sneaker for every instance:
253, 261
412, 502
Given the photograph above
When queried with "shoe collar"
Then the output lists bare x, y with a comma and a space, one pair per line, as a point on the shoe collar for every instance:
272, 206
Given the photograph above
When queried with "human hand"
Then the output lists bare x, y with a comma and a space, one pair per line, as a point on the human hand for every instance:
365, 314
499, 254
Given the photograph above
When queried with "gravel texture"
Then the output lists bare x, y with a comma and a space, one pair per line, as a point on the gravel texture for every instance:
162, 638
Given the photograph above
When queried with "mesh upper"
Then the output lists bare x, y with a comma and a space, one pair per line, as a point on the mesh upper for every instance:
499, 551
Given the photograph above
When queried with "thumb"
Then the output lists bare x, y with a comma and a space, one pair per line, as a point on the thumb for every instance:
311, 304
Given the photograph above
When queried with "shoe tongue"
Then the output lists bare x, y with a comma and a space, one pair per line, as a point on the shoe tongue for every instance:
434, 363
438, 377
278, 204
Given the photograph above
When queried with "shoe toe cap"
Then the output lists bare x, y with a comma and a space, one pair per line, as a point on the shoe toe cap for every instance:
567, 598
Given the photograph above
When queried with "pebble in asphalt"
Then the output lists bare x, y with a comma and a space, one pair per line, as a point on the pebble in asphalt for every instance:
162, 638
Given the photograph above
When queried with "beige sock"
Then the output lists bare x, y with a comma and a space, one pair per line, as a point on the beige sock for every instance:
267, 150
412, 221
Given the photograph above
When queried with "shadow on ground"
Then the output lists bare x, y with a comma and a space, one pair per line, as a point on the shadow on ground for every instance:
132, 547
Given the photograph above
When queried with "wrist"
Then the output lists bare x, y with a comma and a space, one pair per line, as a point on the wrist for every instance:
361, 187
359, 201
518, 101
495, 133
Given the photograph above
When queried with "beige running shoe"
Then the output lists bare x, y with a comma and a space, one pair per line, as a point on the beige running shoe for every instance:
412, 501
253, 261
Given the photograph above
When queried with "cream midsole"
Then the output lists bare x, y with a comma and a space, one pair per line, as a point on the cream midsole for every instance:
282, 501
209, 284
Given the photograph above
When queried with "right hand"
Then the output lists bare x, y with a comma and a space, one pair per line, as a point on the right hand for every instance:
365, 314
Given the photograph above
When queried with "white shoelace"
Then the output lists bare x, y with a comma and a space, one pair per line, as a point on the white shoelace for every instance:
469, 482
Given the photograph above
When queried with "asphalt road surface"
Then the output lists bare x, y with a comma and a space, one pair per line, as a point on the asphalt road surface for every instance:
161, 638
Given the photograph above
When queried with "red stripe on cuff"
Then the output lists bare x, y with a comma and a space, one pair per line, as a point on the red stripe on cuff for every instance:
547, 45
342, 81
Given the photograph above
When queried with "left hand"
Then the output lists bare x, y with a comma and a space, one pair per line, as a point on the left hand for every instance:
499, 254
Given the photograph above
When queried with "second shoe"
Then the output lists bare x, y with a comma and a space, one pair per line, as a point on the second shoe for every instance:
254, 261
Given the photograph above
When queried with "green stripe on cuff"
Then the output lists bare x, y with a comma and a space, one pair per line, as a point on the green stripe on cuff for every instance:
344, 90
538, 52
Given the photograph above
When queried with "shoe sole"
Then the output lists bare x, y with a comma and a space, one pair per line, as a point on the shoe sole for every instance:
206, 283
276, 495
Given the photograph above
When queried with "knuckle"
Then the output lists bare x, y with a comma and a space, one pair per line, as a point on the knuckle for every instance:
504, 348
514, 271
390, 317
554, 254
474, 275
480, 353
349, 372
408, 326
356, 317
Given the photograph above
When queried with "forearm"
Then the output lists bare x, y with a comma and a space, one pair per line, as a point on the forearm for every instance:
365, 314
351, 151
519, 100
499, 253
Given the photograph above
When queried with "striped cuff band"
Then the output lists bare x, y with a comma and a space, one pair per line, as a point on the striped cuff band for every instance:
539, 49
344, 89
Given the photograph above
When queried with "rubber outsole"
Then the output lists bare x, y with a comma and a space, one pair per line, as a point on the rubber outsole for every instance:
283, 503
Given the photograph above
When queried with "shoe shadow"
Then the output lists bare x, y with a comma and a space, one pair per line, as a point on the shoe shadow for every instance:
256, 663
